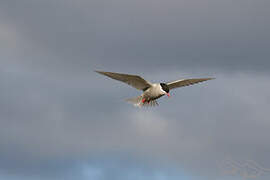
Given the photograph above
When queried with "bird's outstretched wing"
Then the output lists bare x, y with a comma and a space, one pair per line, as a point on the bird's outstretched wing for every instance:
185, 82
132, 80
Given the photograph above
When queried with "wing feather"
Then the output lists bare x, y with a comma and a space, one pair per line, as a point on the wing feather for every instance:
186, 82
132, 80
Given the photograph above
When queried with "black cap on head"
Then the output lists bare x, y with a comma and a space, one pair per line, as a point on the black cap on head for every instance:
165, 87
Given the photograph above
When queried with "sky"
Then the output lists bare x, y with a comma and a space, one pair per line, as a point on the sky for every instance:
61, 120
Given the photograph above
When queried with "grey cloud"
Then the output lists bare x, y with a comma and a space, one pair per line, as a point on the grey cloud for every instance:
48, 123
231, 35
60, 120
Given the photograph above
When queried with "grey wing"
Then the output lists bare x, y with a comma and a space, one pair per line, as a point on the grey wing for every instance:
186, 82
132, 80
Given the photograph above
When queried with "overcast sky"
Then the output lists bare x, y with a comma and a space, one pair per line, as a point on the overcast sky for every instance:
61, 120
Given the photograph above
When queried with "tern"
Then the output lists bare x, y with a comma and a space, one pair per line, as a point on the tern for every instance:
151, 91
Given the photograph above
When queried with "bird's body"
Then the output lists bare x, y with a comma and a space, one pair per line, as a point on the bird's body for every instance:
149, 96
151, 91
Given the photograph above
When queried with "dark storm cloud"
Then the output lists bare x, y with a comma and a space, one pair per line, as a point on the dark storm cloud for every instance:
59, 119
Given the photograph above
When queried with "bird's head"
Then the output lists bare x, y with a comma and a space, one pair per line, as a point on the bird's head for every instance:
165, 88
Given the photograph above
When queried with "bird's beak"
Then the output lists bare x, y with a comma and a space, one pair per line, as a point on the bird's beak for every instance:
168, 94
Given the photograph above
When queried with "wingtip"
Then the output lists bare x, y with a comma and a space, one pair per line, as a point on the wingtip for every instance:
100, 72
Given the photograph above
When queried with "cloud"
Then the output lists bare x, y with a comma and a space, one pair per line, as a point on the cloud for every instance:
50, 123
123, 34
60, 120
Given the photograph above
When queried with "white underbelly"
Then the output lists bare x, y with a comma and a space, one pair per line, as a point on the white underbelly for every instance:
152, 93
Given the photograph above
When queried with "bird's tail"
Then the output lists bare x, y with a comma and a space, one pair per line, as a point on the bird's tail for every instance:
136, 101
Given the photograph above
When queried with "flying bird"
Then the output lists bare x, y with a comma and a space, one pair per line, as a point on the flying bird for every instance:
151, 91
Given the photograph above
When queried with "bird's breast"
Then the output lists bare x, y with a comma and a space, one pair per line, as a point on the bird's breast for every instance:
153, 92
